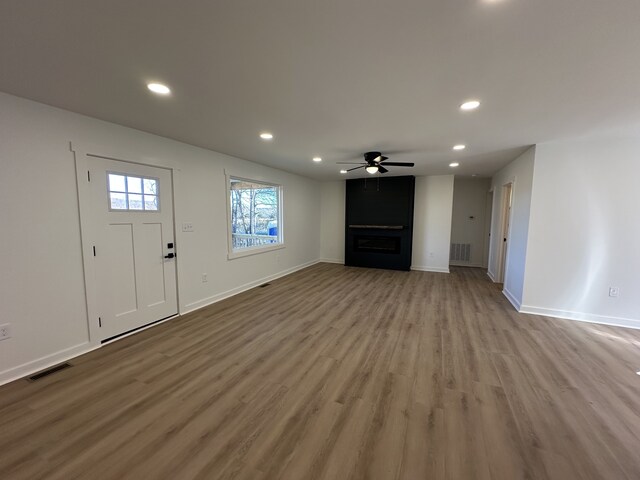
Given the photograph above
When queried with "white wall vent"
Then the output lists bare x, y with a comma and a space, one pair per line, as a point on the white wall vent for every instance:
460, 252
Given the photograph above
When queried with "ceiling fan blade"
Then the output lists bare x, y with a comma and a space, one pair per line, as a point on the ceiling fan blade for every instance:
349, 163
381, 169
382, 159
356, 168
399, 164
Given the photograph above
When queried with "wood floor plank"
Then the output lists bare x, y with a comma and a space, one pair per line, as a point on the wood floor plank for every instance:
463, 428
339, 373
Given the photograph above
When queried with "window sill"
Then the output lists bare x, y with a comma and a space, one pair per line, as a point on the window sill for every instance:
245, 252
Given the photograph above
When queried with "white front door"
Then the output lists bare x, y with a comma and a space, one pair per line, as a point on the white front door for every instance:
132, 231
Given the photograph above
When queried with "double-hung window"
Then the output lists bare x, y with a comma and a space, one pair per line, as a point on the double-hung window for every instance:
255, 216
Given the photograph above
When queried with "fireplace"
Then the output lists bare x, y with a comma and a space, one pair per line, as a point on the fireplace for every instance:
376, 244
379, 222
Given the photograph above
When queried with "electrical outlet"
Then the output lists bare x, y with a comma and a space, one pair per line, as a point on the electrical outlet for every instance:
614, 291
204, 278
187, 227
5, 331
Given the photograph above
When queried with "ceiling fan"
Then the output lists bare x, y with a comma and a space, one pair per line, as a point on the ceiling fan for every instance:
373, 163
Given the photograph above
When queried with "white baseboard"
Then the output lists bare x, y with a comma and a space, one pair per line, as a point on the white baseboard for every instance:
331, 260
512, 299
45, 362
190, 307
582, 317
430, 269
463, 264
491, 276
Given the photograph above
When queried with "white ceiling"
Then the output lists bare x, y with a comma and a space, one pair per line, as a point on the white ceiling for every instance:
335, 78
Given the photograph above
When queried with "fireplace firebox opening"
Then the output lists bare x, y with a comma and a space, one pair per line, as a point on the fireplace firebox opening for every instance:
376, 244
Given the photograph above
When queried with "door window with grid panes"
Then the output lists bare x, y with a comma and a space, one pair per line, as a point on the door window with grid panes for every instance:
133, 193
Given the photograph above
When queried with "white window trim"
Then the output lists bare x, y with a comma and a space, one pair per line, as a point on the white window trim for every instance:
245, 252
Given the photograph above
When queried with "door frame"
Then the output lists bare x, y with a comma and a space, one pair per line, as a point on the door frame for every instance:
488, 219
82, 153
506, 219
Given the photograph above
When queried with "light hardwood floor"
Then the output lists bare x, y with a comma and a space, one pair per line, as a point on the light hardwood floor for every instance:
339, 373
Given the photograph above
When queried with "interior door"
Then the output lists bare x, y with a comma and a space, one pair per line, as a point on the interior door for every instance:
134, 249
506, 219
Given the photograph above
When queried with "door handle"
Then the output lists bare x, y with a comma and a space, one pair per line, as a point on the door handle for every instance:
170, 255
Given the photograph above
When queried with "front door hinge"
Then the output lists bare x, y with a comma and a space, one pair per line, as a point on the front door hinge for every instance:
100, 322
88, 176
94, 250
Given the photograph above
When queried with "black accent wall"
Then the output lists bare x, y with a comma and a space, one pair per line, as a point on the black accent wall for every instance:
379, 222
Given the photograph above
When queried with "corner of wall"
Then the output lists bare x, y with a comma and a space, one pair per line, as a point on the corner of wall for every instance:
512, 299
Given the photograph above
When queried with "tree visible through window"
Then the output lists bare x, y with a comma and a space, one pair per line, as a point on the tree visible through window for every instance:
255, 214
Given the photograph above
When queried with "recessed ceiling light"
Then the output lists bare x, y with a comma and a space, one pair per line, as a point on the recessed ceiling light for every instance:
266, 136
454, 164
343, 171
470, 105
474, 174
317, 159
159, 88
459, 147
